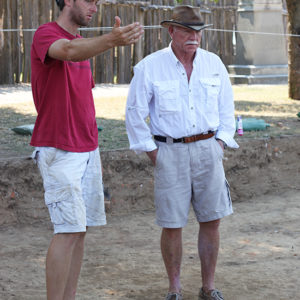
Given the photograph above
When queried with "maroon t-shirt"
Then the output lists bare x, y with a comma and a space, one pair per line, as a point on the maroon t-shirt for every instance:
62, 93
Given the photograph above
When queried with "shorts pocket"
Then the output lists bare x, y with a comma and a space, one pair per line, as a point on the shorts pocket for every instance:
166, 171
55, 214
157, 156
46, 155
219, 150
61, 206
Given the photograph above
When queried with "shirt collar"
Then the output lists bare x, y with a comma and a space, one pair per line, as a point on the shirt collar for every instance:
172, 55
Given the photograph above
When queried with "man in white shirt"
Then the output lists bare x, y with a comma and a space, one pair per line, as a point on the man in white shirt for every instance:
187, 94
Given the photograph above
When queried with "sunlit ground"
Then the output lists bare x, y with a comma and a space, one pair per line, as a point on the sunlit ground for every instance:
267, 102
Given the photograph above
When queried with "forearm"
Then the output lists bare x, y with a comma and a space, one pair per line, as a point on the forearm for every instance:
83, 49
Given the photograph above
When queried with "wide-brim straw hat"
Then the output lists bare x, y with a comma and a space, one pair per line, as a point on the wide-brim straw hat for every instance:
186, 16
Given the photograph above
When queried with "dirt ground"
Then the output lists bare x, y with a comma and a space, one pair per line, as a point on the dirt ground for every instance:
260, 243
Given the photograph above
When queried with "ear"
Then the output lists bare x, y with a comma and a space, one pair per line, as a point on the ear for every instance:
171, 30
68, 2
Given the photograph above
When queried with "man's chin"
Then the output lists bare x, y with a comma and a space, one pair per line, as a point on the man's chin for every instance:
191, 48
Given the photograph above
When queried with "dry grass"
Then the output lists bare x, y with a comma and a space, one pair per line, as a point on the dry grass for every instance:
268, 102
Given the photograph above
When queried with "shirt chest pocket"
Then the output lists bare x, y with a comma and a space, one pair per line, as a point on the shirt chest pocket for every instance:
211, 89
167, 93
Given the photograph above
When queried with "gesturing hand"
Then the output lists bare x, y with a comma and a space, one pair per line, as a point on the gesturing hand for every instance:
126, 35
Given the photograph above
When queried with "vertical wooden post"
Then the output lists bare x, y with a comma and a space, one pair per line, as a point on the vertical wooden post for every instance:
105, 61
138, 47
16, 41
29, 21
6, 71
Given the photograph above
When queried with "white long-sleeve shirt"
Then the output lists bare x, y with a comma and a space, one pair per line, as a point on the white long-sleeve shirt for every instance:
177, 107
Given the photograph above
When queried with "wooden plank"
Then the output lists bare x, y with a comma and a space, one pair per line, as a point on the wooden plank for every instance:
95, 23
44, 8
6, 72
228, 24
55, 10
138, 47
121, 57
91, 33
149, 48
97, 60
129, 63
16, 45
27, 8
155, 33
221, 34
124, 60
105, 63
166, 15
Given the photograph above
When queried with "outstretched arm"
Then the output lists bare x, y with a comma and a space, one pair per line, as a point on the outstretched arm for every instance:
83, 49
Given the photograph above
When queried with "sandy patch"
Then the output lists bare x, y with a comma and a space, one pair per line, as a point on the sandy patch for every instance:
259, 255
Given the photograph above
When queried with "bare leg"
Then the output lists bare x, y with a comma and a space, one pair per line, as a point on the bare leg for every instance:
171, 249
74, 271
208, 247
59, 262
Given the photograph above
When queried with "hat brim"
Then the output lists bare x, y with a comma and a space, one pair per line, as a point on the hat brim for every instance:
196, 27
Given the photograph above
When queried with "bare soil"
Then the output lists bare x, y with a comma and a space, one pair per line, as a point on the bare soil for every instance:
260, 243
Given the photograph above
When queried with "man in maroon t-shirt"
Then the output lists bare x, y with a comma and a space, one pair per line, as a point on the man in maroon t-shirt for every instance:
66, 136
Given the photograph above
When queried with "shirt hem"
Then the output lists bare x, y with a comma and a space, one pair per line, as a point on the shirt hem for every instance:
65, 147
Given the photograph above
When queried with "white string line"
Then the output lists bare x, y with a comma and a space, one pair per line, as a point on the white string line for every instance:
159, 27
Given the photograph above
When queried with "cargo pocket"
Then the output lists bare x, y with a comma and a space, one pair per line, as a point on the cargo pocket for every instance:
218, 148
167, 94
60, 203
55, 214
211, 87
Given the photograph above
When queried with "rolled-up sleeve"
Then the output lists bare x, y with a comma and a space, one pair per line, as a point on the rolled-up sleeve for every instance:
227, 127
137, 111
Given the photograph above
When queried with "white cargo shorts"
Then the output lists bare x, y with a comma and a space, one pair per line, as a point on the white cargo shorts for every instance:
188, 174
73, 188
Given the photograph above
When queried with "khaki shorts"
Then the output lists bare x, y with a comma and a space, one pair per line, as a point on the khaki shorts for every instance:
73, 188
188, 174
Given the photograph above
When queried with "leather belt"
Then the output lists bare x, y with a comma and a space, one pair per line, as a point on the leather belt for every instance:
187, 139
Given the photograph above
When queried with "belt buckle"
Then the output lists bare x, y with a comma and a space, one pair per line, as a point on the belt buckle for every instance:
169, 140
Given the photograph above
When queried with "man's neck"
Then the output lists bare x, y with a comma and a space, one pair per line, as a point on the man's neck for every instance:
63, 22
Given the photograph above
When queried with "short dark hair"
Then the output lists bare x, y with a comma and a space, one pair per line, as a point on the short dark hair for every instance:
60, 3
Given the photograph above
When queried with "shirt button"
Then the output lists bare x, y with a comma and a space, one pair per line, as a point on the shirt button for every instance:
192, 107
183, 74
190, 91
194, 125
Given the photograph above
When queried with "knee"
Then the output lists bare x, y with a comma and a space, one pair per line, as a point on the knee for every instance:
78, 236
211, 225
172, 232
71, 239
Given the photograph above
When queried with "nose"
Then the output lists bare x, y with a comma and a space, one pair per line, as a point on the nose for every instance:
94, 8
194, 35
